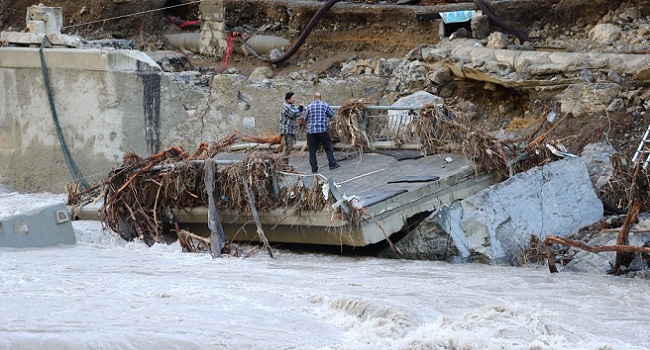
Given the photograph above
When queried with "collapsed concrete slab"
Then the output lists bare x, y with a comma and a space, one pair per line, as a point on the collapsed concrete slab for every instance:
41, 227
495, 226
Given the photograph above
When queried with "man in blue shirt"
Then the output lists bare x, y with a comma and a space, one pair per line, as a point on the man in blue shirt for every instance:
317, 116
288, 123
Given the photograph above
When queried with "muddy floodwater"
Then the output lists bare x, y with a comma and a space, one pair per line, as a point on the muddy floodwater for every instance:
104, 293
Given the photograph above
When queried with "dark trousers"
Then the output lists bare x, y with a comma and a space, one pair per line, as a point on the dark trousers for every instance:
313, 141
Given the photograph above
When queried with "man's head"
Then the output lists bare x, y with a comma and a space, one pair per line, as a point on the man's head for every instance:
289, 96
316, 96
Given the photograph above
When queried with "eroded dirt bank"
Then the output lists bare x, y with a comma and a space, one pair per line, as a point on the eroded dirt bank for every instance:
373, 29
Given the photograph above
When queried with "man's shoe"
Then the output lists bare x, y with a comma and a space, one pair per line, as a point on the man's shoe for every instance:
334, 166
314, 171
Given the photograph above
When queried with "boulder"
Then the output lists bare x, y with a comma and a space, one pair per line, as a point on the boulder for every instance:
597, 157
585, 100
496, 225
605, 33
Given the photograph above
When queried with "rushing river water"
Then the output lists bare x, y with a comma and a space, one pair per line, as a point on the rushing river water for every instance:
104, 293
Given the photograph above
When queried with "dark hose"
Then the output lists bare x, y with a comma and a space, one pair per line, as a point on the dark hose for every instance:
495, 19
310, 26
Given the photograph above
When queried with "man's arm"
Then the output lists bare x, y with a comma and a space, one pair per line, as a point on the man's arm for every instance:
290, 111
307, 113
295, 112
329, 112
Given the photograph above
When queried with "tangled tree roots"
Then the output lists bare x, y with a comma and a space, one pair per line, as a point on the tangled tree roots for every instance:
350, 126
139, 196
140, 193
428, 132
261, 172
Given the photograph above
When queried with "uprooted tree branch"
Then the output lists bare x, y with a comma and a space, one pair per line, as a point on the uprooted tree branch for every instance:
627, 185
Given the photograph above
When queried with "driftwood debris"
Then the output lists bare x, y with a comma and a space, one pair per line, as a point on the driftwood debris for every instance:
217, 236
256, 217
349, 126
273, 139
141, 195
193, 243
618, 189
550, 240
437, 132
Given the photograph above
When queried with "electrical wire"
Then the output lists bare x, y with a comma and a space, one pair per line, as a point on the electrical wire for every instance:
69, 160
129, 15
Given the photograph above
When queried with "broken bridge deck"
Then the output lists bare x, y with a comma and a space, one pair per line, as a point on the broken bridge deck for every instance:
392, 186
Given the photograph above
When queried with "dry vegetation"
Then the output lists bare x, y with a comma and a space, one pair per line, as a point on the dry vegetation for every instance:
140, 194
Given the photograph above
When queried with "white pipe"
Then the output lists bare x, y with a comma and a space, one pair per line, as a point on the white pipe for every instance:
185, 41
262, 44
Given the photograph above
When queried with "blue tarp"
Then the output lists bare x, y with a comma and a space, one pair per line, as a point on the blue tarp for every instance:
456, 16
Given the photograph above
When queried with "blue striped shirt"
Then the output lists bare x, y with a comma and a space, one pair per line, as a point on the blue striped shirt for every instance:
317, 116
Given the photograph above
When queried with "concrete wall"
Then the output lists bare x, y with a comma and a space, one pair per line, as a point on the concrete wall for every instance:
113, 102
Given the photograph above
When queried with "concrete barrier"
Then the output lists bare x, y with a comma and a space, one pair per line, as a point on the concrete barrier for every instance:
42, 227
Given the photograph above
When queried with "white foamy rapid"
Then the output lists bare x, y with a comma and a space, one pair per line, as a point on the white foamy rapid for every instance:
104, 293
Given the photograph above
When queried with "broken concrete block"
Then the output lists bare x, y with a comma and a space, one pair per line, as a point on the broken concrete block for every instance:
495, 226
42, 227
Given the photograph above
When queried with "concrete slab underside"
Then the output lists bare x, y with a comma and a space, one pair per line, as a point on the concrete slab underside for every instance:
371, 177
